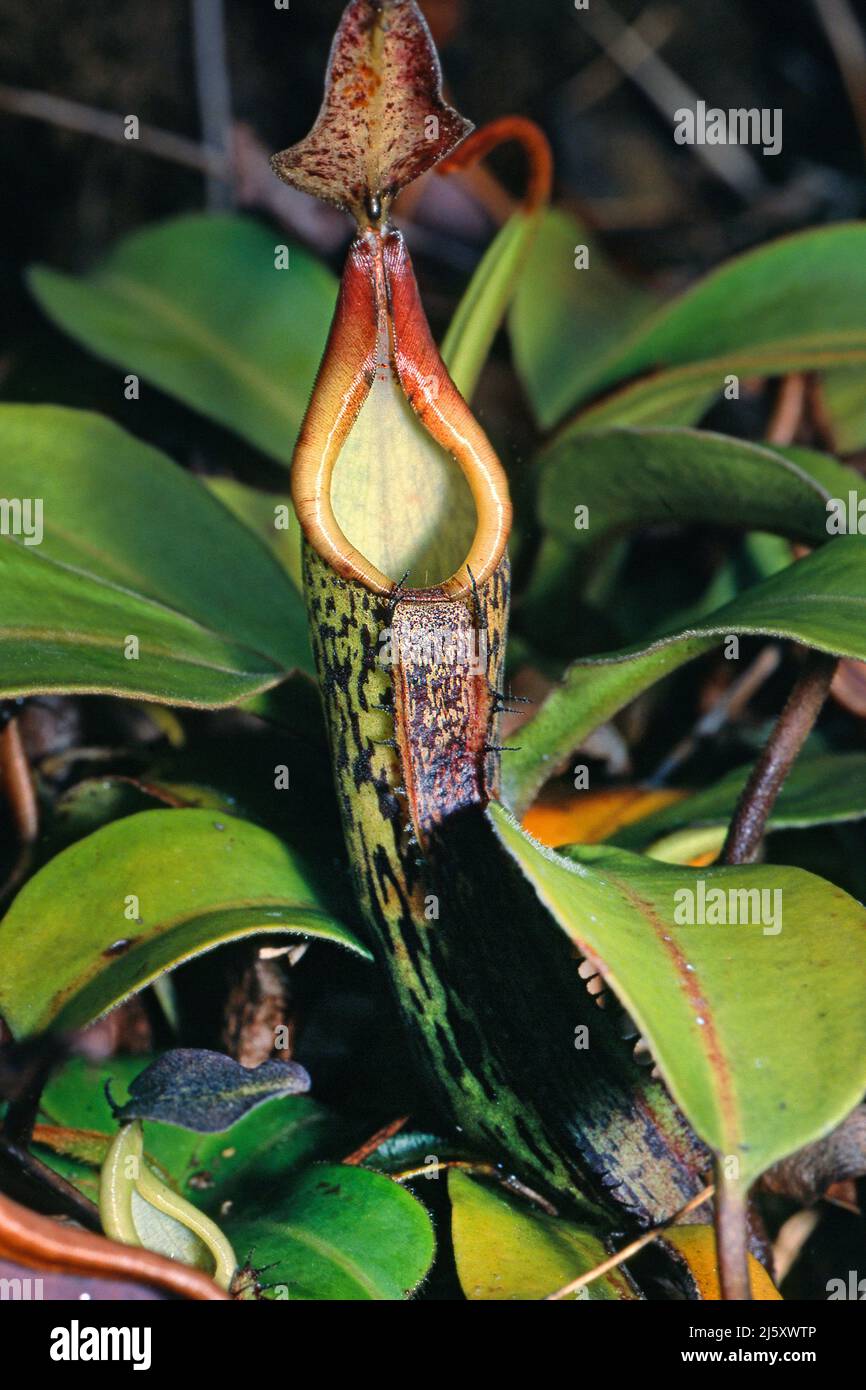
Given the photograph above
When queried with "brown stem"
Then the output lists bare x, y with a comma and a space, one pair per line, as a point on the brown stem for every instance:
481, 1170
26, 1091
40, 1187
110, 125
723, 710
370, 1145
788, 410
732, 1241
846, 39
17, 783
601, 77
818, 415
42, 1243
214, 92
662, 85
21, 1115
793, 727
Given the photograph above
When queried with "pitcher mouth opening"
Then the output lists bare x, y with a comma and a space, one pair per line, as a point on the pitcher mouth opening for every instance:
380, 327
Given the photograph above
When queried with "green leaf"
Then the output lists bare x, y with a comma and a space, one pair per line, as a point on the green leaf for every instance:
206, 1091
197, 306
838, 479
259, 1153
470, 334
95, 801
258, 511
132, 546
75, 1095
505, 1249
820, 601
92, 803
630, 478
414, 1149
741, 1019
189, 881
844, 399
795, 304
564, 322
338, 1233
821, 789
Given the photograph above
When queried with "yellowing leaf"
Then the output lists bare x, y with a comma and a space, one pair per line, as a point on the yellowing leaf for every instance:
696, 1247
508, 1250
588, 817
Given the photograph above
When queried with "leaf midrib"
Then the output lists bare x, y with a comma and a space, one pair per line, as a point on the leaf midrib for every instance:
749, 628
275, 667
330, 1252
698, 1004
675, 377
658, 316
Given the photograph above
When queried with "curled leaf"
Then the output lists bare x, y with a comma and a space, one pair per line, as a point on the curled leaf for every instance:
138, 1208
199, 879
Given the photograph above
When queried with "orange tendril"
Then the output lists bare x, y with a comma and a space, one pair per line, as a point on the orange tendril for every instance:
39, 1242
535, 145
